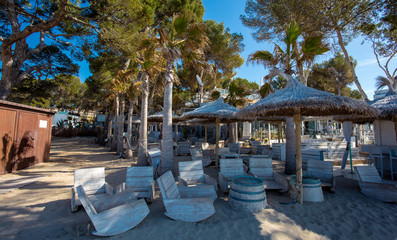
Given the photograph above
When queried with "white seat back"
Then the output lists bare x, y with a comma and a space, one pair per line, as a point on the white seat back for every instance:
261, 167
232, 167
192, 171
196, 153
167, 186
368, 174
139, 178
93, 179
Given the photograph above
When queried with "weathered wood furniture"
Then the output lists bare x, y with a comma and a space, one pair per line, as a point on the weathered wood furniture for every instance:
183, 148
279, 151
230, 168
258, 149
188, 205
392, 156
263, 169
197, 154
377, 152
113, 214
311, 154
234, 147
192, 174
154, 160
322, 170
372, 185
93, 180
139, 181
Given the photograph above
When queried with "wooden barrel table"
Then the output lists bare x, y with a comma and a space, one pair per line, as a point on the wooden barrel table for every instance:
247, 193
312, 191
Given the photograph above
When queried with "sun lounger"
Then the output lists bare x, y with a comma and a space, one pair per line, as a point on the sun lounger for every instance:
114, 214
139, 180
197, 154
183, 148
230, 168
372, 185
93, 180
192, 174
263, 168
188, 205
322, 170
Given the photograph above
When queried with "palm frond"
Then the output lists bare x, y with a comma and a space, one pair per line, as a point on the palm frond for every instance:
382, 82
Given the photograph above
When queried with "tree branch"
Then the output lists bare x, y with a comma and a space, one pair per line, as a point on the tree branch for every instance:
45, 25
30, 70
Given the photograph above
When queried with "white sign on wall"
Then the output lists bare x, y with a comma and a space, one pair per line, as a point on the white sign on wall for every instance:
43, 124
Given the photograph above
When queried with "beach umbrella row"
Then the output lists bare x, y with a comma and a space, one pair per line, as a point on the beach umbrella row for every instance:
296, 100
216, 111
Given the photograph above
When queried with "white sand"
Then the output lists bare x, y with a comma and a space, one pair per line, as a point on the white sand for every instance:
41, 210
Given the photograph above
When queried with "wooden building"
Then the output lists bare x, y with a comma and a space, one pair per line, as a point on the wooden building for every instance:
25, 136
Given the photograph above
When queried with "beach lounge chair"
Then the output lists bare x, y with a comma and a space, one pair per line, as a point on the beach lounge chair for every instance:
197, 154
154, 160
372, 185
322, 170
230, 168
192, 174
113, 214
93, 180
262, 168
188, 205
234, 147
183, 148
139, 180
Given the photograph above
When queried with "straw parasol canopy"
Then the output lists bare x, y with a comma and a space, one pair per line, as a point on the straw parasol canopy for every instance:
158, 117
217, 110
387, 105
296, 100
214, 110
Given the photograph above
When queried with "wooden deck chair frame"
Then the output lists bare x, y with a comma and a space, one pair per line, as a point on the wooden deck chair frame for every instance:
230, 168
197, 154
191, 173
93, 180
114, 214
262, 168
187, 205
372, 185
139, 180
322, 170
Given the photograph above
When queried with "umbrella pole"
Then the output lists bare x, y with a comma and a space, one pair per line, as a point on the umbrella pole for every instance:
394, 118
217, 142
205, 133
297, 120
279, 131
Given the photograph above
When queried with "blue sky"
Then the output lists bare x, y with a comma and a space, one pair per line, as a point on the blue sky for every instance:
229, 11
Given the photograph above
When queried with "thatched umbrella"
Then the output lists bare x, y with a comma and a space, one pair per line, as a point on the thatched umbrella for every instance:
297, 100
216, 110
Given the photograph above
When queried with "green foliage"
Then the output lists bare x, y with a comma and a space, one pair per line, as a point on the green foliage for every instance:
332, 76
239, 89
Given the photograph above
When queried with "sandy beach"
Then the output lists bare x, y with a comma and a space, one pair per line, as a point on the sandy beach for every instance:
41, 210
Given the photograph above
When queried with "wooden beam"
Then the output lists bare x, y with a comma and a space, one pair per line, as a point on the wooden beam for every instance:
217, 142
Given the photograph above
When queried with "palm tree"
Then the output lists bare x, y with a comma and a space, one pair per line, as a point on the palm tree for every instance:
180, 38
132, 95
298, 55
150, 66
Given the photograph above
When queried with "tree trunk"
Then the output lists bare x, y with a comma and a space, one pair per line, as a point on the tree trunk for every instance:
142, 152
6, 75
129, 130
167, 153
120, 138
110, 127
217, 143
290, 162
299, 184
116, 123
347, 58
